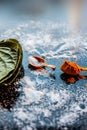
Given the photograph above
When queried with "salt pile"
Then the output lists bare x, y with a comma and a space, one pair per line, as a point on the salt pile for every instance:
32, 60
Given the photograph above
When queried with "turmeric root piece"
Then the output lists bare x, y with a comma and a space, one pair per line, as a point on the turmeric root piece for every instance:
71, 79
71, 68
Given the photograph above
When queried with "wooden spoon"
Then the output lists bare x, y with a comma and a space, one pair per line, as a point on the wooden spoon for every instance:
71, 68
43, 63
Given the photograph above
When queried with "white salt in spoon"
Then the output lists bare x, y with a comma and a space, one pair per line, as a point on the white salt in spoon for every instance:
37, 62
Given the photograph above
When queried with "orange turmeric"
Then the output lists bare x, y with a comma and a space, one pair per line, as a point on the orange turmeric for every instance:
71, 68
71, 80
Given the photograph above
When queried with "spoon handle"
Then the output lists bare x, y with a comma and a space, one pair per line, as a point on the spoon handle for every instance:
84, 69
50, 66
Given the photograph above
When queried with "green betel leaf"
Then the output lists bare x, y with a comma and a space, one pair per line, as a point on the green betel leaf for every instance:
10, 60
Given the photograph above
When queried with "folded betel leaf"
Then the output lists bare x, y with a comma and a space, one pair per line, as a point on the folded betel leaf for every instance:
11, 55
